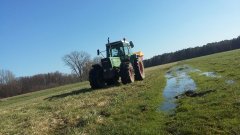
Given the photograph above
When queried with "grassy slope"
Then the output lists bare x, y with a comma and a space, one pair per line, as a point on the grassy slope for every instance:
76, 109
131, 109
216, 112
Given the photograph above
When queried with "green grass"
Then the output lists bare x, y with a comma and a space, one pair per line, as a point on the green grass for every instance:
216, 112
132, 108
77, 109
36, 96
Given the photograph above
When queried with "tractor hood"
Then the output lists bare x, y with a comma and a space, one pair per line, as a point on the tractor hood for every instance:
111, 62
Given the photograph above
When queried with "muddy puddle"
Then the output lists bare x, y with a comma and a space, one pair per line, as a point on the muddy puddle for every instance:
178, 81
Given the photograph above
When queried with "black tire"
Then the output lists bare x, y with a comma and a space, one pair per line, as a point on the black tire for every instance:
111, 82
139, 70
96, 78
127, 73
114, 80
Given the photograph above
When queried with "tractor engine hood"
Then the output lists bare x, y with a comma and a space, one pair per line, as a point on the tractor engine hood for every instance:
111, 62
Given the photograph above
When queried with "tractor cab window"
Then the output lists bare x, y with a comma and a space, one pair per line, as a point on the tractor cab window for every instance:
117, 51
127, 50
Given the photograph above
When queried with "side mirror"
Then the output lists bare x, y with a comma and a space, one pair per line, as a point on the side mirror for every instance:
98, 52
131, 44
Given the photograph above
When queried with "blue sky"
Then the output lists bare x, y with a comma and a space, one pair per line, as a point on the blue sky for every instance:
36, 34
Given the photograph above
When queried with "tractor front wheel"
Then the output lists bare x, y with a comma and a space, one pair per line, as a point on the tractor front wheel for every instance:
127, 73
96, 78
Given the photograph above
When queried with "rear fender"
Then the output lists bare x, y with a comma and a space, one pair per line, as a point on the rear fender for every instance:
133, 58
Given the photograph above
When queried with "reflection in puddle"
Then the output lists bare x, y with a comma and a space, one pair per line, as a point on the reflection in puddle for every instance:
178, 81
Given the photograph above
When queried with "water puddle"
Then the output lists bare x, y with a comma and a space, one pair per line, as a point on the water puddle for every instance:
230, 82
214, 75
211, 74
178, 81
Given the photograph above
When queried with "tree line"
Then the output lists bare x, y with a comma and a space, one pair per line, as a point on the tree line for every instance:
38, 82
79, 62
80, 65
188, 53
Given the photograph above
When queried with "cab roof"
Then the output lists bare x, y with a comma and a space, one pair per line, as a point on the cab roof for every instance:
118, 42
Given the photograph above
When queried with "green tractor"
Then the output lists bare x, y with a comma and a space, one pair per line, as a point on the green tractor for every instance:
120, 62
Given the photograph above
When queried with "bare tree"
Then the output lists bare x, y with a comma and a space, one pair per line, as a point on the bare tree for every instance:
6, 76
78, 62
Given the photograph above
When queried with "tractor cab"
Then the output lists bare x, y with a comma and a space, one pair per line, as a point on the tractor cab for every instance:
119, 49
116, 53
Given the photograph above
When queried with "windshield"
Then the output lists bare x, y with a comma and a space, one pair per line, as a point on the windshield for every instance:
117, 51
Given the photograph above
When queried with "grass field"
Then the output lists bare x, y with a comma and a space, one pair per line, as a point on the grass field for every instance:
216, 112
132, 108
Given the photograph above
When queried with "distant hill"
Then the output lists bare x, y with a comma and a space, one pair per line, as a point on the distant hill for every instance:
188, 53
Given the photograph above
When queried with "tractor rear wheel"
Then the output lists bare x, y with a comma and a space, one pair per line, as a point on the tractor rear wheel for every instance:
127, 73
96, 78
139, 70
